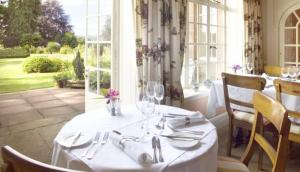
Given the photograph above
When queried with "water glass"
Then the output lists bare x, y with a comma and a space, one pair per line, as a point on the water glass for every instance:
159, 94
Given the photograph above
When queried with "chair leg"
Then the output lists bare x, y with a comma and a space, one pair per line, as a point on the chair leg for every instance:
230, 135
260, 158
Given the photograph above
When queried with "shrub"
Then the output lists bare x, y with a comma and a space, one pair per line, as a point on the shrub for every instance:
53, 47
66, 50
61, 78
43, 65
16, 52
69, 39
28, 39
78, 66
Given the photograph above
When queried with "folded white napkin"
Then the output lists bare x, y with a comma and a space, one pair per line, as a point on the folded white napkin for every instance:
132, 149
183, 121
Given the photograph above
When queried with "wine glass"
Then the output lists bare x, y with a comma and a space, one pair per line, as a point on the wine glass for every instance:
159, 93
249, 66
292, 70
284, 72
148, 110
141, 101
150, 89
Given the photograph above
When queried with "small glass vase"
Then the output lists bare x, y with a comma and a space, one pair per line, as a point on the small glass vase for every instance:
114, 106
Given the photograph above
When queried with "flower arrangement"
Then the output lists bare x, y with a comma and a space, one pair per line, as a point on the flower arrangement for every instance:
112, 94
236, 67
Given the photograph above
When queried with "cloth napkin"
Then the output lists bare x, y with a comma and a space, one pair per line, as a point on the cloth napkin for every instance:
132, 149
188, 120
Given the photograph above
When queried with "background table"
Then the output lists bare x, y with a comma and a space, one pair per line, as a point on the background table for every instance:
216, 97
109, 158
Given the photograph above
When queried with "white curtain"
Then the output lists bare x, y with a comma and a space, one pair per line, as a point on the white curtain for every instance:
234, 34
125, 66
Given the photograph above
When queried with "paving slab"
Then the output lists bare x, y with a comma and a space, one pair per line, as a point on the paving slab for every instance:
4, 131
6, 96
49, 104
33, 93
80, 107
16, 109
29, 143
11, 102
57, 111
14, 119
74, 100
68, 94
36, 124
41, 98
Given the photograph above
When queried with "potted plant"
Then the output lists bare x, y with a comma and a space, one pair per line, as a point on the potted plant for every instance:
61, 79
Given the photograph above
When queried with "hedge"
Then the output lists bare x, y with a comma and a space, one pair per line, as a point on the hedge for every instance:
44, 64
13, 53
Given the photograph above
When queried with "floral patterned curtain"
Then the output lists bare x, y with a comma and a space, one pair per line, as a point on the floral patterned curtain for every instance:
253, 34
160, 43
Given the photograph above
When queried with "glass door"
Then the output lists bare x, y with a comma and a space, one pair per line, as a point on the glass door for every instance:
98, 54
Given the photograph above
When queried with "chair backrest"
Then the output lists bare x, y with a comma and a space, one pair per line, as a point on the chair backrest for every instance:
275, 113
17, 162
249, 82
272, 70
287, 87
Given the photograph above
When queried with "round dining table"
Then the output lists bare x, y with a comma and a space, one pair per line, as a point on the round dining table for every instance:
108, 157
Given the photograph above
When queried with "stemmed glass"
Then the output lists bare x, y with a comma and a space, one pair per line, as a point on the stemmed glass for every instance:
150, 89
148, 109
141, 101
284, 72
249, 66
159, 94
292, 70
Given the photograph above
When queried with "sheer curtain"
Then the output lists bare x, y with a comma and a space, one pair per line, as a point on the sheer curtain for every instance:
124, 49
234, 34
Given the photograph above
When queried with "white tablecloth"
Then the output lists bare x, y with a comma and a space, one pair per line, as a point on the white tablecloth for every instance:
216, 98
202, 158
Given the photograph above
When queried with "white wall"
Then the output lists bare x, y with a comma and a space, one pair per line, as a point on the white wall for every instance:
272, 11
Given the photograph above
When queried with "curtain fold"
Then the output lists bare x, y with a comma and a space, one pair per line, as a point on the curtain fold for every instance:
160, 43
253, 34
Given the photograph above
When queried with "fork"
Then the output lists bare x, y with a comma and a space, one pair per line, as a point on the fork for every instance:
103, 142
95, 141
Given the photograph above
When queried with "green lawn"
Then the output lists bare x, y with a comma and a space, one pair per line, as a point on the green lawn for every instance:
12, 78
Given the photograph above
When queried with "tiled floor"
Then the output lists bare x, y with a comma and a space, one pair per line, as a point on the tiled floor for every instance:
30, 120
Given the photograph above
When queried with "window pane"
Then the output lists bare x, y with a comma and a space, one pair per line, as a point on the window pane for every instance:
202, 33
93, 81
105, 82
290, 36
92, 55
191, 12
290, 54
216, 16
192, 38
92, 28
105, 7
216, 35
217, 54
105, 56
291, 21
202, 51
192, 54
92, 6
202, 14
105, 28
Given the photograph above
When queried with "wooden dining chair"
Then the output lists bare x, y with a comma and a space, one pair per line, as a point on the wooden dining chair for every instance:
239, 118
290, 88
17, 162
273, 111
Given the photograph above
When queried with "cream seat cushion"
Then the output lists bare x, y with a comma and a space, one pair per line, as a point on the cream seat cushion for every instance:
295, 128
226, 164
244, 116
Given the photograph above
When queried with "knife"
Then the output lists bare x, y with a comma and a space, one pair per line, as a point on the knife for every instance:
76, 137
180, 137
154, 149
161, 159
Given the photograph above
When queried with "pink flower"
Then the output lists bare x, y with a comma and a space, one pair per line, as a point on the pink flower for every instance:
112, 94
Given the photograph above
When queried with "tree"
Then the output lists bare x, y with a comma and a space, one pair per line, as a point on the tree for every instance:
53, 47
106, 31
22, 18
53, 21
69, 39
30, 39
78, 66
3, 21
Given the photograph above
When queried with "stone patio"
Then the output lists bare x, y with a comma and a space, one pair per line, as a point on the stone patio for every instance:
30, 120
